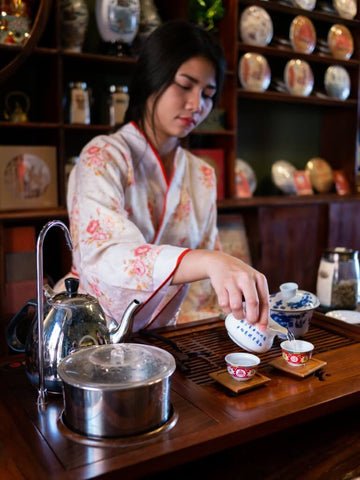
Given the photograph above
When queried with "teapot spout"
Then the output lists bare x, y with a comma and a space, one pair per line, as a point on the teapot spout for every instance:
122, 332
277, 328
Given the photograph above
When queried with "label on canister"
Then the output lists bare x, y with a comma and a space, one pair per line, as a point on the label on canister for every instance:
325, 282
80, 108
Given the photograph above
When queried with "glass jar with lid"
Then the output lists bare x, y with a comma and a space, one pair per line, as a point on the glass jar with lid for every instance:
338, 279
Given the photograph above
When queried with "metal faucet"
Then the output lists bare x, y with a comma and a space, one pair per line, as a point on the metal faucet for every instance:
40, 299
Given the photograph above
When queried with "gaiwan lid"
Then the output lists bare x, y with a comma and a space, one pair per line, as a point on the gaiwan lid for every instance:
291, 299
116, 366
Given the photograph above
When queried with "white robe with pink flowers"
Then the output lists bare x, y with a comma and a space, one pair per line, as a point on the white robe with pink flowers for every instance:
131, 226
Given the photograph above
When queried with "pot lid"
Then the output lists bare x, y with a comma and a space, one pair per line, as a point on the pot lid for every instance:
116, 366
291, 299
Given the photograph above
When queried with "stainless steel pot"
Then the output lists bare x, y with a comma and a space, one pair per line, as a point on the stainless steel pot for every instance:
116, 390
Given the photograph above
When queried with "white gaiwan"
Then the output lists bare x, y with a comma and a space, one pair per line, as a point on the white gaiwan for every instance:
249, 337
293, 308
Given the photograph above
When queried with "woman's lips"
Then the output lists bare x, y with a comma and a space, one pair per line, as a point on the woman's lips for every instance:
188, 122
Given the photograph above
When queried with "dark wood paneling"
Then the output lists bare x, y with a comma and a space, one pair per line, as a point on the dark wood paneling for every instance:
291, 243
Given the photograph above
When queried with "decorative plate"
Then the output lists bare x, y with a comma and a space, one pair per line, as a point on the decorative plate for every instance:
345, 8
305, 4
348, 316
282, 173
302, 34
255, 26
337, 82
298, 77
242, 166
321, 174
254, 72
341, 42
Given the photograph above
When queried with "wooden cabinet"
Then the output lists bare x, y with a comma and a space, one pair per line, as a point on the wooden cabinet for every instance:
286, 234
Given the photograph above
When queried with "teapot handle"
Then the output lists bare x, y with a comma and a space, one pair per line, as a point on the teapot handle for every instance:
11, 335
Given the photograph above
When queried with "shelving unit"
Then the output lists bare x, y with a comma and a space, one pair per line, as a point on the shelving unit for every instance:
286, 234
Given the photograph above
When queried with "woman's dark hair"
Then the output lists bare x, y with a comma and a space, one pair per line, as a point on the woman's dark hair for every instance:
164, 51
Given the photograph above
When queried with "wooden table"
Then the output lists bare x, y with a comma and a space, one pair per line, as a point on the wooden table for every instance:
36, 445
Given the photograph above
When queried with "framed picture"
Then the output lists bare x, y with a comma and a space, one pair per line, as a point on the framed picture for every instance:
215, 158
233, 236
28, 177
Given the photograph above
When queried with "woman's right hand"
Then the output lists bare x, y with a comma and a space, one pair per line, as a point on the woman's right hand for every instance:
233, 281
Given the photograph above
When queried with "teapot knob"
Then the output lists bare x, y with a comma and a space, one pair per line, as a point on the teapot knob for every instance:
71, 285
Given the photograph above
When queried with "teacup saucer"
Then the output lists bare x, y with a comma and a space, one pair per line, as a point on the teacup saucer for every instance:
223, 377
312, 365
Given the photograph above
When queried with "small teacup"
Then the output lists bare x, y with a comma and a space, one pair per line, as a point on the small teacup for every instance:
296, 352
242, 366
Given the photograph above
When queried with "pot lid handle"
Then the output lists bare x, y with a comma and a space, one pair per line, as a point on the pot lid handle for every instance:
71, 285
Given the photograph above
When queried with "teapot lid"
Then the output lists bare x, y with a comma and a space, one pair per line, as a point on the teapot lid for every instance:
119, 365
70, 298
291, 299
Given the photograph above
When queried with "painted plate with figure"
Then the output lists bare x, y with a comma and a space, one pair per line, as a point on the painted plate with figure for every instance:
254, 72
256, 27
243, 167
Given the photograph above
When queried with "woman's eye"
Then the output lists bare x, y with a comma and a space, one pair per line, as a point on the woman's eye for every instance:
184, 87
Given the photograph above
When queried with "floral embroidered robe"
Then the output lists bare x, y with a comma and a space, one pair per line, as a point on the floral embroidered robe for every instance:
131, 226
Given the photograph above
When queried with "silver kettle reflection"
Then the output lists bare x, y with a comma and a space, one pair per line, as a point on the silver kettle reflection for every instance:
71, 321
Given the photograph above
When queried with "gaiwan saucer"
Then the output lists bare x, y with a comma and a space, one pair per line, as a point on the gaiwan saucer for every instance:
347, 316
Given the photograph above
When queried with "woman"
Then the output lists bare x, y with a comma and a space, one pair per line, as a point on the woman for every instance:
143, 209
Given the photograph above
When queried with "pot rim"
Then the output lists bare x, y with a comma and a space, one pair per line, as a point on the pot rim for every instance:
93, 385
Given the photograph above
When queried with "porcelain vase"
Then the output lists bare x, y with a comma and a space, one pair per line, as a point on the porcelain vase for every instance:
74, 24
118, 21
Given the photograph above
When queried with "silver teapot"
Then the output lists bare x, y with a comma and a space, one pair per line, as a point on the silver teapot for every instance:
71, 321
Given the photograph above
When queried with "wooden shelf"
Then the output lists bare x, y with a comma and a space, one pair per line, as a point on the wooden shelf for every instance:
269, 95
15, 216
284, 200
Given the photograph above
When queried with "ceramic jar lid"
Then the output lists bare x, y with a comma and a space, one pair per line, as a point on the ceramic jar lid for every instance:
298, 77
254, 72
321, 174
341, 42
337, 82
291, 299
302, 34
255, 26
345, 8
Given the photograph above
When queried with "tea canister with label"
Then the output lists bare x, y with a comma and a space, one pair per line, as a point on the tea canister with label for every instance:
338, 279
118, 103
78, 103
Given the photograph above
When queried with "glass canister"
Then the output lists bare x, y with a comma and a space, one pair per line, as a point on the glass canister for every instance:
338, 279
78, 103
118, 103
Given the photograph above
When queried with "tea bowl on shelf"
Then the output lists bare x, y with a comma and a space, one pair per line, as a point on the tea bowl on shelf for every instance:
296, 352
242, 366
293, 308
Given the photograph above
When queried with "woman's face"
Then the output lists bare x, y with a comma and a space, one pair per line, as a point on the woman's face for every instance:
186, 102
